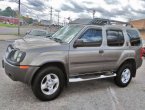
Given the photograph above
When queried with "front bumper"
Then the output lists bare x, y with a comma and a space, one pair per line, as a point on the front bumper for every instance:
17, 74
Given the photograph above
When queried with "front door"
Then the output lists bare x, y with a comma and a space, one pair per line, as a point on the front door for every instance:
87, 57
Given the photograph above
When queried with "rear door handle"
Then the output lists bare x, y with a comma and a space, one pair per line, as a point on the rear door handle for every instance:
101, 51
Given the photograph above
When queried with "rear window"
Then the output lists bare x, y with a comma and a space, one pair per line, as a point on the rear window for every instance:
134, 37
115, 37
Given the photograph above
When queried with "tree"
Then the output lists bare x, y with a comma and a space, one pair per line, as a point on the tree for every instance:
27, 19
30, 21
0, 11
8, 12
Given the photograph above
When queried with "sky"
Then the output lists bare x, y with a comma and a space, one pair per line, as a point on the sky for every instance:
123, 10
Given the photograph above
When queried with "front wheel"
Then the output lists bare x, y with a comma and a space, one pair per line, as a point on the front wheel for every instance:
124, 75
48, 83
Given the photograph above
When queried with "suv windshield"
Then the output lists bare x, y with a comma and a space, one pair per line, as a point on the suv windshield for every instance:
67, 33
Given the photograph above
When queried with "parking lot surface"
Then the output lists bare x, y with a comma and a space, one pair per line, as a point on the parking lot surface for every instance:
91, 95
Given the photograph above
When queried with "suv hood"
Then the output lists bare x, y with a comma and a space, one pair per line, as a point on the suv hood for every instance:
29, 43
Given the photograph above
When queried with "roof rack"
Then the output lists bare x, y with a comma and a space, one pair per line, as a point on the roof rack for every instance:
100, 21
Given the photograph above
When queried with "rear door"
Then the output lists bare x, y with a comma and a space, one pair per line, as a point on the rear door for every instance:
115, 45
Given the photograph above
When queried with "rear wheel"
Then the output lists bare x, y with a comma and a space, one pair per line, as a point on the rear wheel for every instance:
48, 83
124, 75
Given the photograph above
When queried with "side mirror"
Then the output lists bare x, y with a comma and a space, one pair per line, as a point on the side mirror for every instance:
48, 35
27, 32
78, 43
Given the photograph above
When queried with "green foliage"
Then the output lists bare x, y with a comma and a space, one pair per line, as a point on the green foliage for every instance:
28, 20
8, 12
7, 25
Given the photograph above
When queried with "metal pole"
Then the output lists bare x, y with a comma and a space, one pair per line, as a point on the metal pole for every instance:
144, 25
19, 13
50, 18
94, 14
64, 21
51, 15
58, 18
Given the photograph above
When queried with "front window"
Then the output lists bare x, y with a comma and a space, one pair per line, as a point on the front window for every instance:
67, 33
92, 37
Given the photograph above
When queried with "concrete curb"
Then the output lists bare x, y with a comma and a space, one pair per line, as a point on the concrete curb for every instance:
8, 37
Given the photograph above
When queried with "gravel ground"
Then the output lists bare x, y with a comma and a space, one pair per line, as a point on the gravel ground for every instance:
91, 95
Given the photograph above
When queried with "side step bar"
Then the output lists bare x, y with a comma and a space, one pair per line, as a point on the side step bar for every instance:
80, 79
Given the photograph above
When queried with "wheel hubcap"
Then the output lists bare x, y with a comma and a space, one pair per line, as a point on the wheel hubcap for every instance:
126, 76
50, 84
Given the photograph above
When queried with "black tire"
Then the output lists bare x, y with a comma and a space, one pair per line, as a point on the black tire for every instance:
118, 78
36, 85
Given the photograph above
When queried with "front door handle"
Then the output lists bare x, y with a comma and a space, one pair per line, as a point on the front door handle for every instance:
101, 51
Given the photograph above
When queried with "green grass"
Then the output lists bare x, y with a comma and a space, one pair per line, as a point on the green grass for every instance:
8, 25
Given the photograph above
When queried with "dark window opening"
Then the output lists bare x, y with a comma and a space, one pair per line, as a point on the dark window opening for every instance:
115, 38
134, 37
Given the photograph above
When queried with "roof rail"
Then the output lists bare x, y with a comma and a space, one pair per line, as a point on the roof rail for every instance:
100, 21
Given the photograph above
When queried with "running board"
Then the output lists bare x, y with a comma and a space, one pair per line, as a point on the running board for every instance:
80, 79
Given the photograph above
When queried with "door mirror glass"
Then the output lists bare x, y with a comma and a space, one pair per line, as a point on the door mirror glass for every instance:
79, 43
27, 32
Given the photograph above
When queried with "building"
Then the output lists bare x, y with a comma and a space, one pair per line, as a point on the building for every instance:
9, 20
45, 22
140, 24
35, 22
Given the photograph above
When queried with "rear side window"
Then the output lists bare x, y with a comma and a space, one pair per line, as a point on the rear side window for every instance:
115, 38
134, 37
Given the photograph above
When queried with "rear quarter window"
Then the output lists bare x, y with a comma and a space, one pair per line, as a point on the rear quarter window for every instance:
134, 37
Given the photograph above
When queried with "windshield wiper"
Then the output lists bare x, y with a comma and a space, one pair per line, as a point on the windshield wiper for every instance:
58, 40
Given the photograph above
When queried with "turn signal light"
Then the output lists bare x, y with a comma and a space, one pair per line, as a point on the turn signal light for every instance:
23, 67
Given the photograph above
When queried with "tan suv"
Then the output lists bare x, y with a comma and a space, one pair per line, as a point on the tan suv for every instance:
81, 51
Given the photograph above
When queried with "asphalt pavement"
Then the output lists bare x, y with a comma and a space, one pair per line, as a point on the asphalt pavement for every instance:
13, 31
23, 30
91, 95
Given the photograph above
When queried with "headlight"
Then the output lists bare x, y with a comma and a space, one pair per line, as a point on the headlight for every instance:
17, 56
8, 51
14, 55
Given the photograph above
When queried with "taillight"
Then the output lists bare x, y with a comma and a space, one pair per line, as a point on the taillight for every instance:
141, 53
